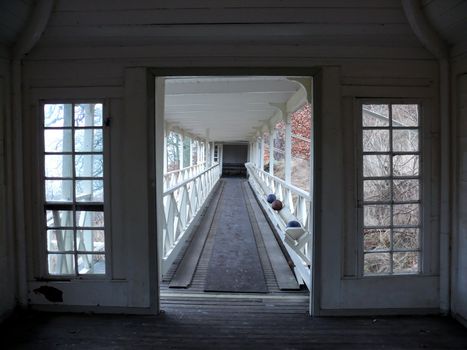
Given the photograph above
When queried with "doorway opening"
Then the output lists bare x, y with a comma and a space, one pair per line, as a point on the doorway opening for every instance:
237, 208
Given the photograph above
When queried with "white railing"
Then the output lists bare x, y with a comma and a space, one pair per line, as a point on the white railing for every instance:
172, 178
297, 206
181, 204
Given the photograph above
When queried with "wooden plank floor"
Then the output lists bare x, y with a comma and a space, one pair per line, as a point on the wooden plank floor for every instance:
231, 325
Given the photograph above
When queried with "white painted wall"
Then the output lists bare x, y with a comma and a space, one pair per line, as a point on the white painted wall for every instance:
7, 248
459, 248
91, 61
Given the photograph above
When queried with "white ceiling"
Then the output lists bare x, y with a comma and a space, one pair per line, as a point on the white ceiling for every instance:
228, 109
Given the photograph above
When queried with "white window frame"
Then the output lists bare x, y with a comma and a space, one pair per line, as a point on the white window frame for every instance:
43, 250
423, 177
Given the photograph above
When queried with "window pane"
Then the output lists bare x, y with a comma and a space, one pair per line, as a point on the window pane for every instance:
404, 115
89, 219
379, 239
376, 165
279, 164
375, 140
58, 165
89, 191
406, 214
406, 238
89, 140
194, 152
60, 240
405, 140
186, 152
89, 165
57, 140
375, 115
377, 263
90, 240
376, 190
61, 264
88, 114
376, 215
57, 115
59, 218
91, 264
406, 165
266, 152
406, 262
406, 190
279, 136
58, 190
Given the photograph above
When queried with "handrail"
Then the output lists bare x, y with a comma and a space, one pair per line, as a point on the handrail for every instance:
186, 168
182, 203
174, 177
176, 187
297, 206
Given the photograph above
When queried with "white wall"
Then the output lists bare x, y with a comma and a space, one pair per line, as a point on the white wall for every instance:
94, 61
459, 248
7, 249
235, 153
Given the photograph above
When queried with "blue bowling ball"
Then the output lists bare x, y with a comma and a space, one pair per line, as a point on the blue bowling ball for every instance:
271, 198
293, 223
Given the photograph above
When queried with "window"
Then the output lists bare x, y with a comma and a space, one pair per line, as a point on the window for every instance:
391, 188
173, 151
74, 188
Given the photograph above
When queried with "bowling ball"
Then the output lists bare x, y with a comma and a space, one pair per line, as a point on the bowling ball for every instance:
277, 205
271, 198
293, 223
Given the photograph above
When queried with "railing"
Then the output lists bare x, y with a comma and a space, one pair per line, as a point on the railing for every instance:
172, 178
181, 204
297, 206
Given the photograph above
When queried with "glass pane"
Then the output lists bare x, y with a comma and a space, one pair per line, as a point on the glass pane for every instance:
88, 114
186, 152
406, 214
376, 215
406, 262
61, 264
89, 140
90, 219
91, 264
59, 218
172, 152
89, 191
266, 152
406, 238
376, 165
375, 140
375, 115
57, 140
404, 115
89, 165
57, 115
376, 239
405, 140
58, 190
279, 164
279, 136
376, 190
90, 240
406, 165
301, 122
58, 165
377, 263
406, 190
60, 240
194, 152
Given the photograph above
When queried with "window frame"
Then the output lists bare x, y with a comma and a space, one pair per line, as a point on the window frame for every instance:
43, 250
424, 186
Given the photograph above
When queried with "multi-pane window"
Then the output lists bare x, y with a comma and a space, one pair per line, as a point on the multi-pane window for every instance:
74, 188
391, 188
216, 153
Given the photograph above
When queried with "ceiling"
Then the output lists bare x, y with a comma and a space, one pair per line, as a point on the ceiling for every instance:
230, 109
